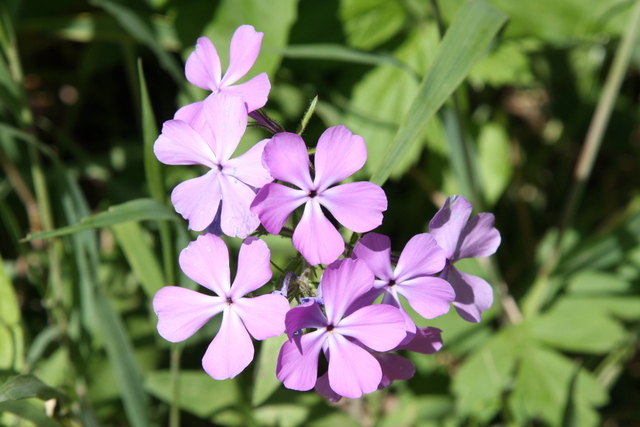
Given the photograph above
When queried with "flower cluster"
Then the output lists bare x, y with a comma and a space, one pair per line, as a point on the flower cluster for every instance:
337, 317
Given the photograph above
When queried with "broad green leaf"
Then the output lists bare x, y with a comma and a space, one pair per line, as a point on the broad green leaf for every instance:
578, 325
140, 31
265, 381
9, 308
483, 377
27, 386
593, 282
383, 97
494, 164
542, 390
121, 355
197, 391
29, 411
465, 42
508, 64
6, 348
135, 210
368, 23
140, 256
284, 414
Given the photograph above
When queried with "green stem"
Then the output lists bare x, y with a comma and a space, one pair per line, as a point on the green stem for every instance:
174, 412
588, 154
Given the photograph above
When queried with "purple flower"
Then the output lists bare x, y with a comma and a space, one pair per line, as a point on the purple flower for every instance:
394, 367
461, 239
412, 278
181, 312
203, 70
229, 180
352, 369
357, 205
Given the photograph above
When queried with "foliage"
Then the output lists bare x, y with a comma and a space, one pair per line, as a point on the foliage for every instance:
489, 99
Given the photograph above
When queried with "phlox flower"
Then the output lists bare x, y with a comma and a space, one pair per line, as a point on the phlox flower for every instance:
394, 367
181, 312
352, 369
203, 69
229, 182
357, 205
463, 238
412, 278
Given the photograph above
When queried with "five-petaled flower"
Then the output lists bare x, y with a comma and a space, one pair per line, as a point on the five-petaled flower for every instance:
203, 70
181, 312
230, 181
461, 239
352, 369
412, 278
357, 205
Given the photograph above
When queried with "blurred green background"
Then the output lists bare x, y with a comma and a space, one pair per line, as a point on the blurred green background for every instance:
500, 111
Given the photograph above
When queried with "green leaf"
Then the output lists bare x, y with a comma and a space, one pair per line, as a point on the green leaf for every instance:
484, 376
593, 282
28, 386
265, 381
140, 257
7, 350
29, 411
542, 390
152, 166
368, 23
140, 31
121, 355
9, 308
463, 45
494, 162
508, 64
578, 325
336, 52
135, 210
196, 391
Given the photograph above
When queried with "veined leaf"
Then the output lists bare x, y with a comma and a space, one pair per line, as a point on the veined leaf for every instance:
135, 210
27, 386
463, 45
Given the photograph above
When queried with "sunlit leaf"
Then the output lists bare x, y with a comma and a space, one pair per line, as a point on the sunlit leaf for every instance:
368, 23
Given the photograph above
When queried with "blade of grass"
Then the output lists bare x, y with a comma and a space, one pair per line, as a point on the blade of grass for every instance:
135, 210
463, 45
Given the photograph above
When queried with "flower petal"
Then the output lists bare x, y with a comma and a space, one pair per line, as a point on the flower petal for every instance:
180, 144
479, 238
380, 327
227, 119
203, 65
322, 387
448, 222
425, 340
197, 199
353, 371
274, 203
254, 268
193, 114
420, 257
245, 47
286, 158
297, 365
339, 154
428, 296
473, 294
254, 92
181, 312
315, 237
248, 167
394, 368
230, 351
375, 250
206, 261
342, 283
304, 316
264, 315
236, 219
356, 205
